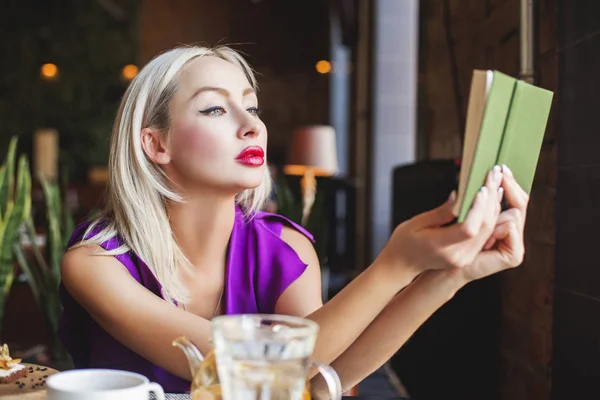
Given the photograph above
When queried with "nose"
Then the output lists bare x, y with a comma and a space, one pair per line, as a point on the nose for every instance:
249, 128
249, 132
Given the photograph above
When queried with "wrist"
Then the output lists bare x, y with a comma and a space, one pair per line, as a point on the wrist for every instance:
397, 273
452, 280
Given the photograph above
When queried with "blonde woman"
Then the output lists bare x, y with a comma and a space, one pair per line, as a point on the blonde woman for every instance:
182, 239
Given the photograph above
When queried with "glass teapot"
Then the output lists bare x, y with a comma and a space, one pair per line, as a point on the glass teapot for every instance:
257, 357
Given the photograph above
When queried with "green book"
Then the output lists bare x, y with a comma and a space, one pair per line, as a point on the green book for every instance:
524, 132
506, 122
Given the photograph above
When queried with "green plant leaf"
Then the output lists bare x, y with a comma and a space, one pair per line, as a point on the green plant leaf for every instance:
3, 191
8, 182
8, 236
37, 253
29, 270
54, 243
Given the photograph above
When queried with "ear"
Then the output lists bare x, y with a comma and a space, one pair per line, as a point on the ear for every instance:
155, 146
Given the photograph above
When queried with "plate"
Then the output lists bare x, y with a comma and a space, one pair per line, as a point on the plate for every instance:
32, 387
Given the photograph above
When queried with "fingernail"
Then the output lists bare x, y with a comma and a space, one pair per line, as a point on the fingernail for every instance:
507, 171
500, 192
483, 191
452, 197
497, 172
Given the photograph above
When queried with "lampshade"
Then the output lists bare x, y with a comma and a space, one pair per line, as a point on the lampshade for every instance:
45, 154
313, 147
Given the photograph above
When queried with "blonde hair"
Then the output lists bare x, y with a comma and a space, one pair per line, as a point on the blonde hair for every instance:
138, 189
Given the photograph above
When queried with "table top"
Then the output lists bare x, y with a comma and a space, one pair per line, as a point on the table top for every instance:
181, 396
177, 396
32, 387
373, 398
39, 393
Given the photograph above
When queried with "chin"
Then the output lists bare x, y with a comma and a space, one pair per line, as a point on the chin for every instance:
250, 179
250, 183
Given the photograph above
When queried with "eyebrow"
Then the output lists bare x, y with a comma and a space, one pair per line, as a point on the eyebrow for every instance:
222, 91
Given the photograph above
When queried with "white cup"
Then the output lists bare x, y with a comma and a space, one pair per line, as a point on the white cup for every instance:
101, 384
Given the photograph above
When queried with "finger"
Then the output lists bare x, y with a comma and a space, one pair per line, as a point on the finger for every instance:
493, 183
492, 206
510, 243
471, 226
437, 217
499, 204
499, 233
508, 253
509, 215
515, 241
515, 195
478, 212
490, 243
512, 214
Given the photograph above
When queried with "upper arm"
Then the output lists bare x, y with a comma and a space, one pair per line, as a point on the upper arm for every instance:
129, 312
303, 296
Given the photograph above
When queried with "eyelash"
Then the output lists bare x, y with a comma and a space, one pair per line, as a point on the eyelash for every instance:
252, 110
256, 110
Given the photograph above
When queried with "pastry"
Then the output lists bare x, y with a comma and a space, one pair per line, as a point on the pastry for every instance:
11, 369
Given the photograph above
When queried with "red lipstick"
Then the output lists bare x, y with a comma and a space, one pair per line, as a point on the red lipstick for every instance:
253, 156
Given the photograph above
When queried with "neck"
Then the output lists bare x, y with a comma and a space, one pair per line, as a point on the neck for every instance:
202, 227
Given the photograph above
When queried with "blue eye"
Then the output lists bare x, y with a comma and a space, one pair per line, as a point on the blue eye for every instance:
214, 111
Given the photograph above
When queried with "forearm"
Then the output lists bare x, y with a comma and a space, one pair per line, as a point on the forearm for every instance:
349, 313
391, 328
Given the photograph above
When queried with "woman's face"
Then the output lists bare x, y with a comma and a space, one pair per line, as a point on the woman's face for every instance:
217, 140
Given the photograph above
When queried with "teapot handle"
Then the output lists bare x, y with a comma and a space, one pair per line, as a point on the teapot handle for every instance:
331, 379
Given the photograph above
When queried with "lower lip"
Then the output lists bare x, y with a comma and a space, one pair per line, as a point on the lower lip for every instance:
251, 161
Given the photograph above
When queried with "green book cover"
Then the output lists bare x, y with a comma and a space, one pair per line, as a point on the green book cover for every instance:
485, 139
506, 122
524, 132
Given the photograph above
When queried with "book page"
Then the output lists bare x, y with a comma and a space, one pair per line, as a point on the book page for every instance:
481, 84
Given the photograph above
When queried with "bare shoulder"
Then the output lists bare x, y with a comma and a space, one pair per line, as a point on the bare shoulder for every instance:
80, 261
300, 243
79, 252
74, 257
303, 296
91, 277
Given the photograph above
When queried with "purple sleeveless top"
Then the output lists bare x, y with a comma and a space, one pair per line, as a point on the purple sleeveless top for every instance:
260, 266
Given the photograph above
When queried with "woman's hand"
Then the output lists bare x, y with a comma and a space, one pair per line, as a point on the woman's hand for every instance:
505, 248
425, 243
